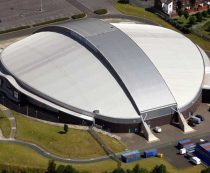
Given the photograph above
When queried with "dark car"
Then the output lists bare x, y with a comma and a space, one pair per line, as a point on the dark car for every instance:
200, 116
188, 155
191, 123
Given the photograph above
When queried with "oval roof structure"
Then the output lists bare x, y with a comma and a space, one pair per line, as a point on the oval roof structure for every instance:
177, 58
122, 70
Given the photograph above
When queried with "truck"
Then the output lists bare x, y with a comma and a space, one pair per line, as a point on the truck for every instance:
181, 143
150, 153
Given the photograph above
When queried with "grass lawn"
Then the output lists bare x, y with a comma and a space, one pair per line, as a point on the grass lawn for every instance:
74, 144
141, 12
138, 11
26, 157
17, 155
4, 124
145, 163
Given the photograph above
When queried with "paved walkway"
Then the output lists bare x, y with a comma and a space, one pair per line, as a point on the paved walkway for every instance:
51, 156
1, 135
36, 147
12, 120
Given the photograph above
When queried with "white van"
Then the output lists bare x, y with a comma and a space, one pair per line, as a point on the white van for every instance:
195, 160
183, 151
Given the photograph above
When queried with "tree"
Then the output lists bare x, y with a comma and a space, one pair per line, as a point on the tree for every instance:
143, 170
136, 169
65, 128
199, 16
204, 13
5, 171
192, 20
118, 170
60, 169
123, 1
179, 5
70, 169
207, 170
186, 14
51, 167
180, 12
159, 169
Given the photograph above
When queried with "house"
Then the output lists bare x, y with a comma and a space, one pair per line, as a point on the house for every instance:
167, 6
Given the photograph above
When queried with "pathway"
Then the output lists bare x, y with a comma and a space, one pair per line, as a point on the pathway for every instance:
36, 147
12, 120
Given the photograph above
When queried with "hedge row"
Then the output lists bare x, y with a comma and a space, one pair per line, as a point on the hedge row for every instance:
100, 11
17, 169
78, 16
14, 29
165, 17
183, 29
51, 21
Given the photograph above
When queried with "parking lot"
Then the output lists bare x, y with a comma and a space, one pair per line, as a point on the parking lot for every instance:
168, 138
15, 13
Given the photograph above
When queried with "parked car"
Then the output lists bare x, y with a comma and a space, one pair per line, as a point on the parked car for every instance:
191, 122
182, 151
157, 129
202, 140
201, 117
196, 120
195, 160
189, 155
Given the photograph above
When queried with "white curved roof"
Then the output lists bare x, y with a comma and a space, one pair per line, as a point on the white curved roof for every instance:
66, 72
169, 70
177, 59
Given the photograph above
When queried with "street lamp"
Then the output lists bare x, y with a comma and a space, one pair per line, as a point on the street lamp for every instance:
36, 113
41, 5
3, 100
27, 110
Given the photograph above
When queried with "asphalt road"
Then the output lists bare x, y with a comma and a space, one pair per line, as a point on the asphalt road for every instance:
29, 31
15, 13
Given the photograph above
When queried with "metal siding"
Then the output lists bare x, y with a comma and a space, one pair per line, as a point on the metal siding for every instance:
143, 81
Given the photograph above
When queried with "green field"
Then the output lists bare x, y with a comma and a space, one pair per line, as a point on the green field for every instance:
16, 155
26, 157
74, 144
140, 12
4, 124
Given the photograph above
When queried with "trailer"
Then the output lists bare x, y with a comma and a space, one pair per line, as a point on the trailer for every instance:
181, 143
130, 156
150, 153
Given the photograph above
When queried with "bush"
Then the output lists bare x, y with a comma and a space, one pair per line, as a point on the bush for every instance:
51, 167
204, 13
199, 16
78, 16
186, 14
123, 1
207, 170
100, 11
159, 169
192, 20
52, 21
65, 128
14, 29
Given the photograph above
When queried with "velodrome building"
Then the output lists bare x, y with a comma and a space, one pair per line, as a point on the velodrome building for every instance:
113, 75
